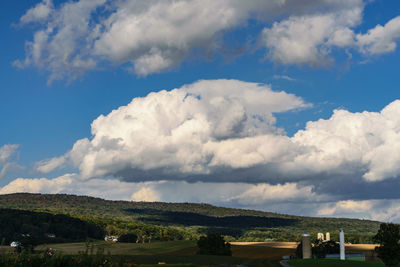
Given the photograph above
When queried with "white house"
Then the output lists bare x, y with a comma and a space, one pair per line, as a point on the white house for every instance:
15, 244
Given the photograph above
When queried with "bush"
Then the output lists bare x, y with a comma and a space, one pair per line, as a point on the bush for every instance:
128, 238
213, 244
388, 237
320, 248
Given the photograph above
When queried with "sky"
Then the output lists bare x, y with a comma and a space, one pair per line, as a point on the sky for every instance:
289, 106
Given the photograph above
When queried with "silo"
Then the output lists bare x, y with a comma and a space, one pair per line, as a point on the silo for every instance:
341, 238
327, 236
320, 236
306, 246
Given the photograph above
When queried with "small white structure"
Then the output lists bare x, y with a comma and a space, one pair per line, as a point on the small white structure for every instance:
15, 244
111, 238
320, 236
341, 238
327, 236
51, 235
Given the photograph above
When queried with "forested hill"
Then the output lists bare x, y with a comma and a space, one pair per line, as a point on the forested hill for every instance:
194, 219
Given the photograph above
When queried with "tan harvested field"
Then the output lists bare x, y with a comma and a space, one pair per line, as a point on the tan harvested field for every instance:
275, 250
267, 244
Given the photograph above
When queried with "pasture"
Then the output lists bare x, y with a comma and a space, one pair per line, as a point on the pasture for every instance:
184, 253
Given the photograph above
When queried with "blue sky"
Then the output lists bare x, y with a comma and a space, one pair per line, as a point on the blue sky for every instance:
92, 57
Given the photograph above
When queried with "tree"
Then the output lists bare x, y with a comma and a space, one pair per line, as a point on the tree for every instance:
388, 237
321, 248
213, 244
128, 238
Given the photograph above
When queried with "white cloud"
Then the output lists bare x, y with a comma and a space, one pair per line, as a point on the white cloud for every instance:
7, 161
307, 39
260, 194
146, 194
7, 152
154, 36
186, 132
351, 142
374, 209
38, 13
46, 166
284, 77
224, 130
381, 39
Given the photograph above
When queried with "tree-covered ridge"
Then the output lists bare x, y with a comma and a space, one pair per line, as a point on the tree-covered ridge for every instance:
44, 227
189, 219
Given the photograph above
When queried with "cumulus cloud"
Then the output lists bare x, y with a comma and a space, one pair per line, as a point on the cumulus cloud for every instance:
381, 39
154, 36
146, 194
224, 130
375, 209
196, 130
307, 39
348, 142
7, 161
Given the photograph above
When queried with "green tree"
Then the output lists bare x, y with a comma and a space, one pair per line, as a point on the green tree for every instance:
213, 244
321, 248
388, 237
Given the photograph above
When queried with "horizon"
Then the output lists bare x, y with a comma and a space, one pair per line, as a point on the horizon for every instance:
289, 107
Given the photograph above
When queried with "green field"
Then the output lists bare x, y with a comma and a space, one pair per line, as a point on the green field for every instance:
334, 263
173, 253
183, 254
165, 247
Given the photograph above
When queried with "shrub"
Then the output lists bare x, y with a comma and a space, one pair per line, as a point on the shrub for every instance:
213, 244
388, 237
321, 248
128, 238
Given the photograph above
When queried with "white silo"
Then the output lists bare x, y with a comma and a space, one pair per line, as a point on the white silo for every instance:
306, 246
320, 236
342, 252
327, 236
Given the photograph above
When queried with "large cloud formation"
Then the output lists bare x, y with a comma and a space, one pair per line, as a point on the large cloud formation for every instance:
224, 130
154, 36
186, 133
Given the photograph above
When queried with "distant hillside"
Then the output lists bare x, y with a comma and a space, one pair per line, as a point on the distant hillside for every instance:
41, 227
188, 220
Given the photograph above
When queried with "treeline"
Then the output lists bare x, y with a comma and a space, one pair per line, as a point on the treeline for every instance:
143, 232
41, 227
174, 221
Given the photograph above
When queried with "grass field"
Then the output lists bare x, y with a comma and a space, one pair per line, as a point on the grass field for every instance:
184, 252
122, 248
334, 263
173, 252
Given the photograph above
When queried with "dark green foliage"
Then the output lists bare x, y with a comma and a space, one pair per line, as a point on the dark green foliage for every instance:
31, 228
299, 250
213, 244
128, 238
321, 248
174, 221
388, 237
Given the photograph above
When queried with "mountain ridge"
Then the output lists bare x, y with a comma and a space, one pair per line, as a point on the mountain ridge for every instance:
195, 218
